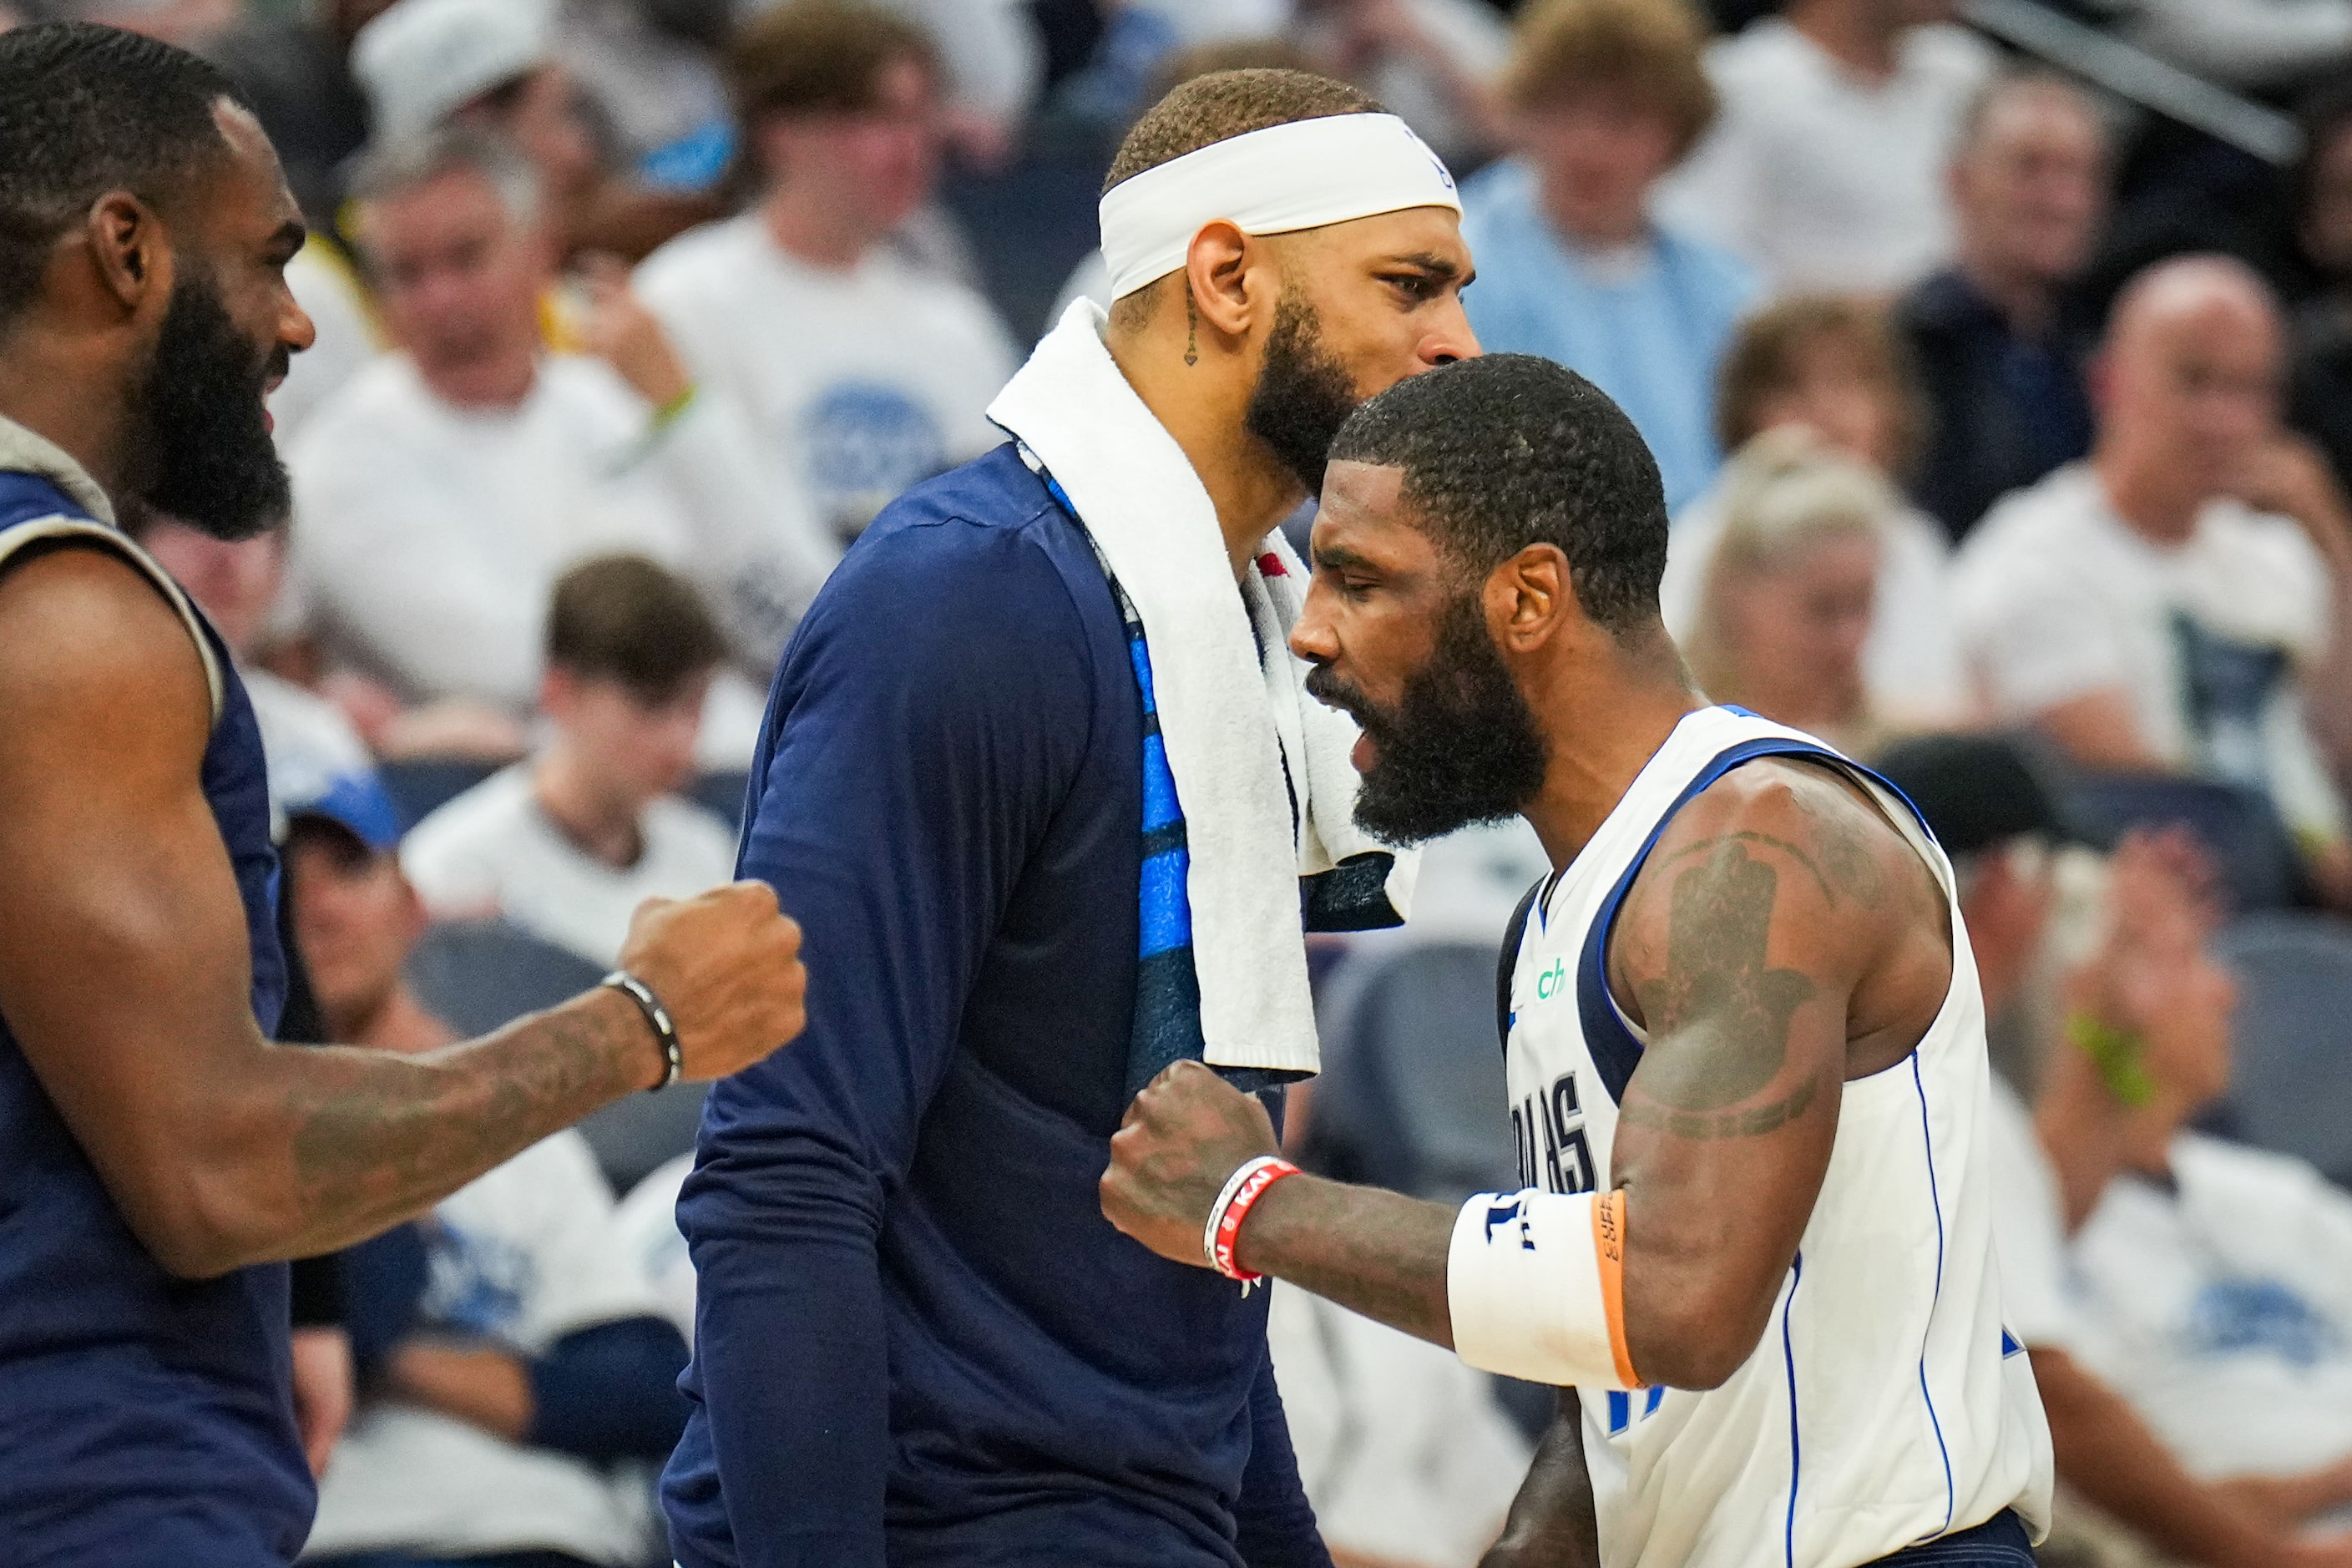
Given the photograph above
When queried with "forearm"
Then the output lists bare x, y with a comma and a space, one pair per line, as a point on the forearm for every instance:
351, 1142
485, 1387
2107, 1452
1551, 1523
1373, 1252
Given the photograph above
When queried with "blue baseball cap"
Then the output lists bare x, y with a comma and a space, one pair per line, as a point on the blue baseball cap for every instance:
358, 803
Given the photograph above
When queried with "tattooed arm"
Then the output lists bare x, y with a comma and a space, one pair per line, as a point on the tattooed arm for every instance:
1780, 939
125, 973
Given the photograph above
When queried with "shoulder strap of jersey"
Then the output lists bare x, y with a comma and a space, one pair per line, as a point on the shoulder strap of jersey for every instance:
1508, 959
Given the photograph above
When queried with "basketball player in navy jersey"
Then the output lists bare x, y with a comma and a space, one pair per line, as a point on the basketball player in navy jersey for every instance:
1743, 1037
158, 1157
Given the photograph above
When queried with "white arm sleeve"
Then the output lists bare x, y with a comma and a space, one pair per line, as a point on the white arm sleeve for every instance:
1534, 1284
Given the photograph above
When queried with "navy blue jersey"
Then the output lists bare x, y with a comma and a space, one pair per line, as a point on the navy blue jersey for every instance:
920, 1341
145, 1420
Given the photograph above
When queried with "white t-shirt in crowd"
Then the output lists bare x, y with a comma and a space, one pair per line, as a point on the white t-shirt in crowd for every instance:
650, 1239
1404, 1452
1820, 179
2059, 598
522, 1257
862, 382
428, 536
2029, 1229
2222, 1309
1912, 662
493, 851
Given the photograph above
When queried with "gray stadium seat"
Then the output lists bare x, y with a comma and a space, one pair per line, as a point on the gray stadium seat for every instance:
480, 975
2292, 1090
419, 785
2237, 827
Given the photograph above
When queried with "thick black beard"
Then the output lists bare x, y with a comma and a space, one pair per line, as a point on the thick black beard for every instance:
1462, 746
1303, 395
203, 441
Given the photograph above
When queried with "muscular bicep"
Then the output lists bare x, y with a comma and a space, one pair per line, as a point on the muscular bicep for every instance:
1739, 949
123, 966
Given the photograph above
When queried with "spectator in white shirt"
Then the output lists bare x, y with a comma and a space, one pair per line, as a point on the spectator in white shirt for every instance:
1825, 168
863, 373
1833, 366
438, 495
526, 1363
2168, 604
568, 845
2143, 980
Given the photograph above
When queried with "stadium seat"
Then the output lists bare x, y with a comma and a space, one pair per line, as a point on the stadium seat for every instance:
2237, 827
480, 975
722, 794
2292, 1088
418, 785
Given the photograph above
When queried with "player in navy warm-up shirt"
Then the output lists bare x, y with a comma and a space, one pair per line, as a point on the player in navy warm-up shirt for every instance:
918, 1342
159, 1158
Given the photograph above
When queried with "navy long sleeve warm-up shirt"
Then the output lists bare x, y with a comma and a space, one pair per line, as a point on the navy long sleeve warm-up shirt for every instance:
918, 1341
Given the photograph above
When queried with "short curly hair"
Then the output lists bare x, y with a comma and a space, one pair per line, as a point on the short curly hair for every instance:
1511, 450
1223, 105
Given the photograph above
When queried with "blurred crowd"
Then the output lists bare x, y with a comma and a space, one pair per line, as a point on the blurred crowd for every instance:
2007, 425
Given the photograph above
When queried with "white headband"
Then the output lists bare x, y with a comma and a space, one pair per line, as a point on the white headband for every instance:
1304, 175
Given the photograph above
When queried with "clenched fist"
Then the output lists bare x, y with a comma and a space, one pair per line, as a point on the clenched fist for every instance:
727, 966
1184, 1135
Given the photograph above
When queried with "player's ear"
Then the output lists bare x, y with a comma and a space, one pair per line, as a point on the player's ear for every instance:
130, 251
1531, 598
1228, 291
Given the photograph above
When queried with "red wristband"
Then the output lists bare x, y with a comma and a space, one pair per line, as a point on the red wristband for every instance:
1241, 1193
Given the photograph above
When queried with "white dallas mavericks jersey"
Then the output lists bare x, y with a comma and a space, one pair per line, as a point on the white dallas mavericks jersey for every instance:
1886, 1404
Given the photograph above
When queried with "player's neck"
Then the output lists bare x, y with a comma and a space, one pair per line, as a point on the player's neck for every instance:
1606, 713
1204, 406
69, 404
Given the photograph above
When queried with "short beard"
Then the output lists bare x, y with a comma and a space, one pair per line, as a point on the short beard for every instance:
201, 433
1303, 395
1462, 747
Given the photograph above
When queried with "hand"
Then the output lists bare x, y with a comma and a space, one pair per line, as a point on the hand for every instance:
727, 966
2290, 476
322, 1391
1184, 1136
620, 331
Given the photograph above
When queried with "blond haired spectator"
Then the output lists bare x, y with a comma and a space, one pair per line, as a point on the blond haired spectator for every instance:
1604, 97
1831, 365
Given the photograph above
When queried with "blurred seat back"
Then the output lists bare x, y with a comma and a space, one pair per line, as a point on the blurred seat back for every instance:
421, 786
481, 975
722, 794
2236, 824
1411, 1096
2290, 1089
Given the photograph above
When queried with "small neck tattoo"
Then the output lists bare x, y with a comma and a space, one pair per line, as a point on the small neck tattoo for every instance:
1192, 327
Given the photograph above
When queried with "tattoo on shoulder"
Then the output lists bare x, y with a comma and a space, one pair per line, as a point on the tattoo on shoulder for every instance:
1718, 982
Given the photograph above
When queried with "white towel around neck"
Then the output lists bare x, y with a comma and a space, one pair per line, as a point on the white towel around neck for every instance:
1229, 720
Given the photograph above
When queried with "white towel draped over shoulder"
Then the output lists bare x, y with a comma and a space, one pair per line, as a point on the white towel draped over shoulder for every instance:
1241, 734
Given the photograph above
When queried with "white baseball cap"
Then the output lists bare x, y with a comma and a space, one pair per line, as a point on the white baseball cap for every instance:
423, 59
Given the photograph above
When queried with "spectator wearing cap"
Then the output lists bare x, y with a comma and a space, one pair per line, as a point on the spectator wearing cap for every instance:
568, 845
2144, 982
495, 66
2171, 604
1605, 96
529, 1353
1826, 167
441, 492
1832, 367
864, 372
2001, 362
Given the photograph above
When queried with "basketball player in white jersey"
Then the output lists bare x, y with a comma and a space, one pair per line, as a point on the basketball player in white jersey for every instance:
1744, 1036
